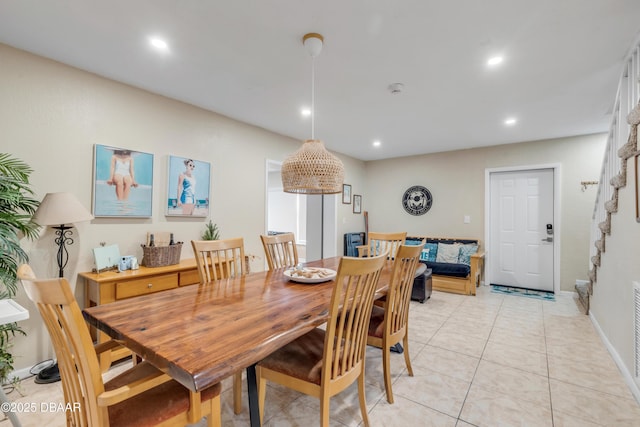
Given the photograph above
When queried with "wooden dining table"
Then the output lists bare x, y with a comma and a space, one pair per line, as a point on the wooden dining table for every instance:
202, 334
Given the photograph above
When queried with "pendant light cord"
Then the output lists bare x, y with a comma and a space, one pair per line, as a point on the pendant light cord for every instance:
313, 96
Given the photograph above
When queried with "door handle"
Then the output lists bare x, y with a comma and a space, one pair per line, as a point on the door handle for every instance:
548, 239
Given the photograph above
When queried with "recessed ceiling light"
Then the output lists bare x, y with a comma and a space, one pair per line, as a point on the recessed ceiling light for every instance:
510, 121
377, 143
495, 60
158, 43
306, 112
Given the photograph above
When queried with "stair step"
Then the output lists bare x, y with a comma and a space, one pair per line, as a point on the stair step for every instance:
583, 295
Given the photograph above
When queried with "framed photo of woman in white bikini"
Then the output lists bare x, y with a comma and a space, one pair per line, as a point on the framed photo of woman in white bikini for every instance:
188, 187
122, 182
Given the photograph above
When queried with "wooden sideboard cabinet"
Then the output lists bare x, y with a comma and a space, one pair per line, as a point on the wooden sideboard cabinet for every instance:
110, 286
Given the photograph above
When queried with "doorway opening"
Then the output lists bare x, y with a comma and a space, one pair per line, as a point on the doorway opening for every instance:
313, 219
285, 212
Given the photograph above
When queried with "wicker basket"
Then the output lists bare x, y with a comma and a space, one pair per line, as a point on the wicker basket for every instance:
159, 256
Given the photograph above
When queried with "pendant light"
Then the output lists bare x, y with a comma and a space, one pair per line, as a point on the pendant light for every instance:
312, 169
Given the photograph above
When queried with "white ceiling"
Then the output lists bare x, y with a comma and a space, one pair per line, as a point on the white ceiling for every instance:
245, 59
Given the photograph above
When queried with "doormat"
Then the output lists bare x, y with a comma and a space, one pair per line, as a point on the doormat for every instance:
508, 290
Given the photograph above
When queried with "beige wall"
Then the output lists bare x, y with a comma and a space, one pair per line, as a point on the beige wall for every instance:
51, 115
456, 179
612, 302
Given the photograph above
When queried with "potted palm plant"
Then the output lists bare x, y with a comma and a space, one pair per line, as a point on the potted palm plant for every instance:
17, 206
211, 231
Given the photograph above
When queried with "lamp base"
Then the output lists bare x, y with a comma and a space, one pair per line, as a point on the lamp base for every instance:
48, 375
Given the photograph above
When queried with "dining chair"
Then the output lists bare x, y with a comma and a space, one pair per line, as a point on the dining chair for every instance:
221, 259
280, 250
378, 243
140, 396
323, 362
390, 323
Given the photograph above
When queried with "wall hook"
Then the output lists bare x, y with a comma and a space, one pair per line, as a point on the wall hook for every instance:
585, 184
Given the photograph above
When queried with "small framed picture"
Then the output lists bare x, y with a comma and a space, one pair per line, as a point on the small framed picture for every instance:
357, 203
122, 182
346, 194
188, 187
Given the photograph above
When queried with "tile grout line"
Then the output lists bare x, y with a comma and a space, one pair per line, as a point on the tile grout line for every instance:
478, 366
546, 354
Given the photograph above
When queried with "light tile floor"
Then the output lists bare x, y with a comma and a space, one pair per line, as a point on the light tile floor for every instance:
490, 360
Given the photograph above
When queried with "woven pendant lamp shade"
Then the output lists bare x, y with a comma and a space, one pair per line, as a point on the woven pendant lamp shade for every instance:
312, 170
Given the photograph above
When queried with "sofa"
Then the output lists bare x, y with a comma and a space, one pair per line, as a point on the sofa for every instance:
456, 264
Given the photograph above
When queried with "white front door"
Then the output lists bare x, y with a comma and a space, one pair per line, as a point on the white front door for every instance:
521, 229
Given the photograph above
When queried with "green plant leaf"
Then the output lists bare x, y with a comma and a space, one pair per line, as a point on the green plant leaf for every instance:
17, 206
211, 231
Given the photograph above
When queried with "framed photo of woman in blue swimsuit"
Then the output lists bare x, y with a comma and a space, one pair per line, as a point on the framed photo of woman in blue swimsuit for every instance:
122, 182
188, 187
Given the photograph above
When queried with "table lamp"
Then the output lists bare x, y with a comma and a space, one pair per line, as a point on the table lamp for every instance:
59, 210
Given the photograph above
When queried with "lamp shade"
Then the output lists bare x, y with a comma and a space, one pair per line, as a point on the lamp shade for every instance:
60, 208
312, 170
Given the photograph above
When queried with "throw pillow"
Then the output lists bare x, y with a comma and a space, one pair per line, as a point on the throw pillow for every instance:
448, 253
429, 252
465, 253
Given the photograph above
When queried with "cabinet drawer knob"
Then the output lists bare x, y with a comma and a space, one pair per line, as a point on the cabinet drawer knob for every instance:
149, 285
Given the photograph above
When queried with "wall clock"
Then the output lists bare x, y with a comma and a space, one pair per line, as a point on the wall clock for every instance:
417, 200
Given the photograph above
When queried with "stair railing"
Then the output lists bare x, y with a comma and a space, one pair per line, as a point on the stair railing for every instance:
614, 174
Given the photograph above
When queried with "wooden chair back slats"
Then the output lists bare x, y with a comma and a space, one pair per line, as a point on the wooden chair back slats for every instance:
399, 294
349, 313
389, 324
79, 368
280, 250
379, 243
219, 259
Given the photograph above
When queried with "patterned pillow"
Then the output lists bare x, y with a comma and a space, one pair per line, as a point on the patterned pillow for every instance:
448, 253
465, 253
429, 252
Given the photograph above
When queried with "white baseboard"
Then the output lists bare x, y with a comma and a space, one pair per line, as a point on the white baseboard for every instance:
26, 372
628, 377
21, 373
